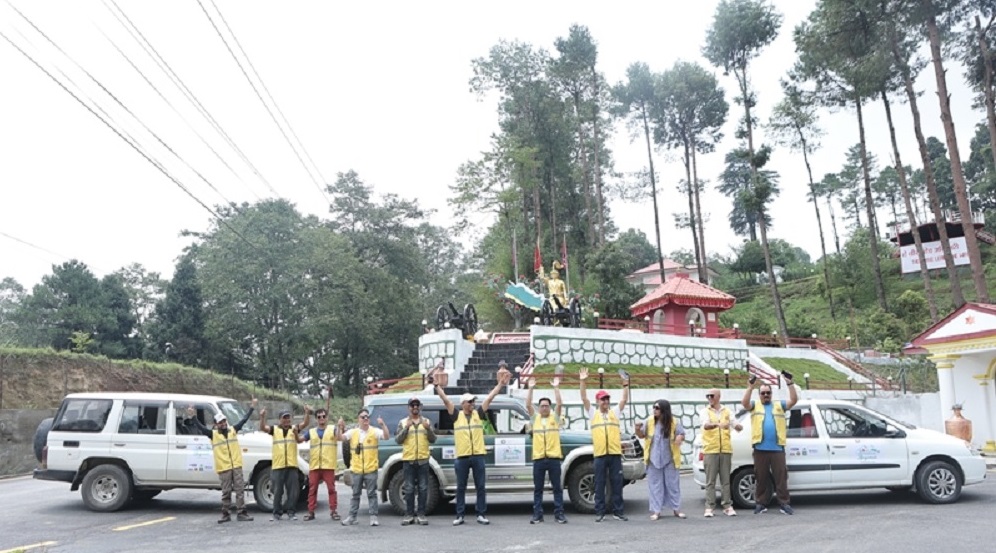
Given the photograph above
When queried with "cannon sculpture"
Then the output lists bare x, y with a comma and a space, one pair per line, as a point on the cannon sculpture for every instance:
551, 311
447, 316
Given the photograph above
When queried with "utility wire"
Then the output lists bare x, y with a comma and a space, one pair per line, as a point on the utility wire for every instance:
118, 101
151, 51
30, 245
130, 141
297, 154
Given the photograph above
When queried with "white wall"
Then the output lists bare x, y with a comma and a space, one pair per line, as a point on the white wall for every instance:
448, 344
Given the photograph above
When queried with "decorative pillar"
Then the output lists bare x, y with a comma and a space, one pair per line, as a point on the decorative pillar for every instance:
945, 381
988, 434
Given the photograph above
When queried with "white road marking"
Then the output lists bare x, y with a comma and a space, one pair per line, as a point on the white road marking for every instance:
32, 546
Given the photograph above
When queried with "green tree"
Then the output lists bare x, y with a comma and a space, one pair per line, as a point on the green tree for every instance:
144, 289
636, 245
12, 295
176, 329
736, 182
608, 267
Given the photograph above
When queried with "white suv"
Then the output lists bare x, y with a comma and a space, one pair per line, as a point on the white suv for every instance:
121, 447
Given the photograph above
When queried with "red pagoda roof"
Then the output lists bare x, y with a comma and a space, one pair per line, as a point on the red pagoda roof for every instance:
681, 290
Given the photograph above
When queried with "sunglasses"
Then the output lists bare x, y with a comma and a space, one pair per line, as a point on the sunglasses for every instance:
604, 399
415, 405
322, 416
657, 407
710, 396
765, 393
364, 416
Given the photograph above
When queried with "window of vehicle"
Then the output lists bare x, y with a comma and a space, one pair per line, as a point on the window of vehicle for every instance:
509, 421
204, 413
235, 412
83, 415
846, 422
801, 424
143, 418
392, 415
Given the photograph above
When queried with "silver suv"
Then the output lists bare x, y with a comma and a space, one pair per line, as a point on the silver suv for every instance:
118, 448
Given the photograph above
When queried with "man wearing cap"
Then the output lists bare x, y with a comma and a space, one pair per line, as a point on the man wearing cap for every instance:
227, 459
547, 455
415, 434
606, 436
322, 463
364, 463
283, 470
768, 433
468, 437
717, 451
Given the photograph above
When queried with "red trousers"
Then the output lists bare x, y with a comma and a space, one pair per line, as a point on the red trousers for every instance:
316, 477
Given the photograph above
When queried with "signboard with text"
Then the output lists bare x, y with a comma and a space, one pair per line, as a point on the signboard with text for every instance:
934, 254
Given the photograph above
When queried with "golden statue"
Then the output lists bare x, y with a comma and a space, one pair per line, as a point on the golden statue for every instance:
554, 286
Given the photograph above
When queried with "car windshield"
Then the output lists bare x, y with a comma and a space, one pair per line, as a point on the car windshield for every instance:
234, 412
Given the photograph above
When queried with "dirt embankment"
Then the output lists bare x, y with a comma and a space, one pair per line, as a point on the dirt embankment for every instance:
39, 379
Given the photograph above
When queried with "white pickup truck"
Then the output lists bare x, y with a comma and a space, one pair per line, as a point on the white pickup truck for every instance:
118, 447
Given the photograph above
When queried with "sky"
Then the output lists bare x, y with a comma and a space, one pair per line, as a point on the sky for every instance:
376, 87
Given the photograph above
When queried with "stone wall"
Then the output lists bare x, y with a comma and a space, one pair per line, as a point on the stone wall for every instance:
447, 344
17, 433
554, 345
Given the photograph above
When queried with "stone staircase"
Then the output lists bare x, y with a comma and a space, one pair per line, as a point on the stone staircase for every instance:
478, 376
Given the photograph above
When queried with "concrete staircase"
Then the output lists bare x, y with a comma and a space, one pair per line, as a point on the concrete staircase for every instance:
479, 374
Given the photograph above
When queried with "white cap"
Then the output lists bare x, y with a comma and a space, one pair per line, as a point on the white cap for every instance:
467, 397
218, 417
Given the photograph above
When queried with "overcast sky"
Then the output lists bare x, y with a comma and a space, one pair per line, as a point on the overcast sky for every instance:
377, 87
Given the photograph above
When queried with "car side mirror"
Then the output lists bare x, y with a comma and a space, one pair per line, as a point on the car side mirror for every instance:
894, 432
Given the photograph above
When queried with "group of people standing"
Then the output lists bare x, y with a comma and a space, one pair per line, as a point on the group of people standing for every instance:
662, 432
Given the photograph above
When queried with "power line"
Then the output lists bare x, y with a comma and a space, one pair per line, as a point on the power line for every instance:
164, 66
119, 102
130, 141
30, 245
297, 154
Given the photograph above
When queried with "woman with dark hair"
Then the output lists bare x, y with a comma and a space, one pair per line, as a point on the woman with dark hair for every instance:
662, 454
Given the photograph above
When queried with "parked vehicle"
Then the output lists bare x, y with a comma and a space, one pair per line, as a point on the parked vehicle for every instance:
839, 445
509, 454
118, 448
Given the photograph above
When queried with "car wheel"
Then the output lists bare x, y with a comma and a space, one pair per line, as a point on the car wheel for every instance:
106, 488
742, 486
938, 482
41, 437
581, 487
262, 490
396, 493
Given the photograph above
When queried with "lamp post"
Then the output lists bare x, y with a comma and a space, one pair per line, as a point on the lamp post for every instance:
667, 377
425, 326
726, 376
850, 383
601, 377
736, 330
774, 337
691, 328
646, 320
806, 376
536, 320
422, 372
848, 338
890, 383
518, 380
595, 314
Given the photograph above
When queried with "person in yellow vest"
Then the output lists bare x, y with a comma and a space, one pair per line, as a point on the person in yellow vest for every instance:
283, 470
468, 439
547, 455
364, 463
415, 433
767, 422
717, 451
227, 459
606, 436
322, 463
662, 454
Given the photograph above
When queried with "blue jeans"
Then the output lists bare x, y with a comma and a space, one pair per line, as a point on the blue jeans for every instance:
416, 478
463, 465
611, 464
541, 468
281, 480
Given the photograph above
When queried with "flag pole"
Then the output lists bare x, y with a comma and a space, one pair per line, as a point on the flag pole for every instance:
515, 258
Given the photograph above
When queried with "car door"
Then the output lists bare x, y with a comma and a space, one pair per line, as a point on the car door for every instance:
190, 459
509, 450
806, 453
141, 438
865, 450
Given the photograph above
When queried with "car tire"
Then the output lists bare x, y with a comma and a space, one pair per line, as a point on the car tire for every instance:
262, 490
41, 437
395, 493
581, 487
106, 488
742, 486
938, 482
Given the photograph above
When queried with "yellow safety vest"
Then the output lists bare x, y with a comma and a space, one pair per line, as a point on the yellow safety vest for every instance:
468, 434
717, 440
546, 438
675, 448
227, 452
605, 433
757, 422
284, 447
416, 444
364, 459
323, 455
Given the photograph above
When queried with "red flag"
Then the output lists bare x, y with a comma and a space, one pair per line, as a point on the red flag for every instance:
537, 258
563, 252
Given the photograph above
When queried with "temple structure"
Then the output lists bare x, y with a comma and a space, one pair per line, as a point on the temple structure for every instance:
683, 306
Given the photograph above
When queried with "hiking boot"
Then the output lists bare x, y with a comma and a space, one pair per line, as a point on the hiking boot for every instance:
225, 517
243, 517
374, 521
309, 516
422, 521
349, 521
758, 509
786, 509
408, 520
561, 519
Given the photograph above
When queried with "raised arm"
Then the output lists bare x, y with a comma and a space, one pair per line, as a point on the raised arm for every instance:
503, 380
582, 387
529, 397
446, 400
430, 434
793, 394
384, 428
262, 421
192, 420
748, 393
556, 396
625, 394
307, 418
238, 426
341, 427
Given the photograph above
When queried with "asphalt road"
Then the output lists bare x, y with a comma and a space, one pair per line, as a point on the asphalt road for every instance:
36, 512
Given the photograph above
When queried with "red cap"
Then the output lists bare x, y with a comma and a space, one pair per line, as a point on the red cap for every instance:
601, 394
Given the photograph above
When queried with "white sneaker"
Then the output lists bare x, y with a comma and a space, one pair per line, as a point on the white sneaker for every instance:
373, 521
481, 519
